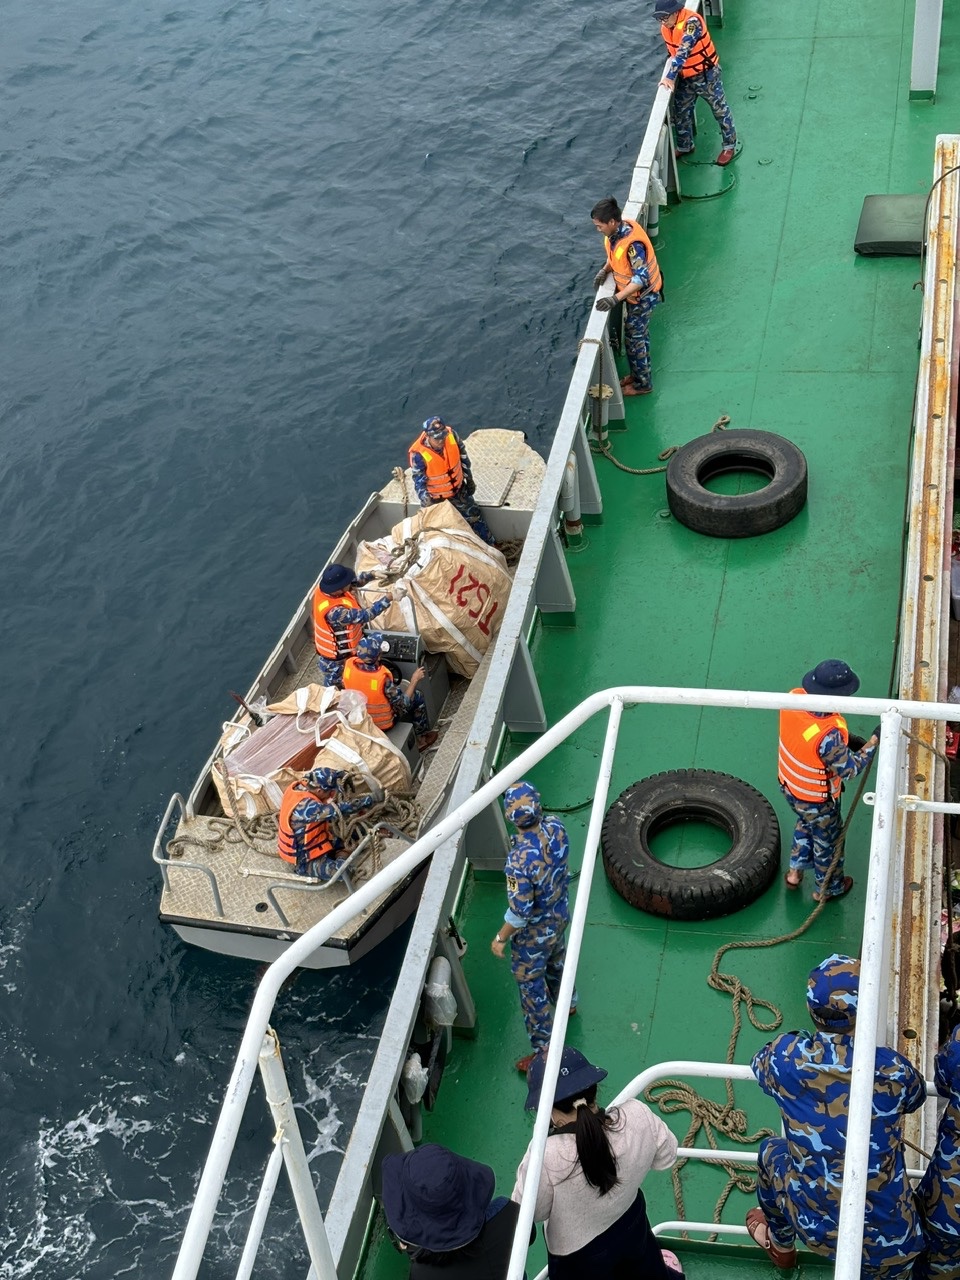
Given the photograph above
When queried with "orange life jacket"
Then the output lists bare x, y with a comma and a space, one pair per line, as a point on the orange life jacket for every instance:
372, 685
703, 55
618, 259
317, 840
444, 472
343, 641
801, 770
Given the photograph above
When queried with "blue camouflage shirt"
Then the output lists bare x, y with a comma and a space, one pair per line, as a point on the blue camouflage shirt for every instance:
808, 1075
939, 1191
537, 880
640, 271
691, 34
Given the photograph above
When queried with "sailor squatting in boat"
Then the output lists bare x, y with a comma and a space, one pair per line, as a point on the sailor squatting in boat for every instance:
589, 1197
307, 809
338, 619
799, 1176
537, 912
631, 259
815, 756
386, 700
441, 472
694, 69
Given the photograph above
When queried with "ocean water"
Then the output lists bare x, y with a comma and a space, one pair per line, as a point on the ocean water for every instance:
245, 248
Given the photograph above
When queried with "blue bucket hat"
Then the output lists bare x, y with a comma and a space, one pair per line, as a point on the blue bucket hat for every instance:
832, 990
371, 646
831, 677
576, 1074
664, 8
435, 427
435, 1199
336, 578
521, 805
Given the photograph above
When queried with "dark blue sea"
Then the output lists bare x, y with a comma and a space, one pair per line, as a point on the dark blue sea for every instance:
245, 248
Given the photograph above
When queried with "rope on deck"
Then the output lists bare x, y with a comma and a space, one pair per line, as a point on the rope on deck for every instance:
602, 447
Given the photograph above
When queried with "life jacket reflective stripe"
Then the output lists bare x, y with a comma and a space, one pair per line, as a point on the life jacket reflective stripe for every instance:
618, 260
444, 470
343, 641
703, 55
372, 685
801, 770
316, 839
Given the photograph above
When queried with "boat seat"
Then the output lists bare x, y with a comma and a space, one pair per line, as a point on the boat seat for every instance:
401, 734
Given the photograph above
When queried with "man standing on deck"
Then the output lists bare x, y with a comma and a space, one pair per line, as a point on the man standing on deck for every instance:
537, 912
815, 757
800, 1176
338, 619
309, 808
442, 473
639, 284
694, 72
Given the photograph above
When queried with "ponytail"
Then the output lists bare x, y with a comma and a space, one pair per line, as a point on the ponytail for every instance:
594, 1152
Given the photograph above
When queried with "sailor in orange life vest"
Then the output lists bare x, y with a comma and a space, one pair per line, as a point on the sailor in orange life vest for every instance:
442, 472
307, 809
694, 72
631, 259
338, 619
386, 701
816, 754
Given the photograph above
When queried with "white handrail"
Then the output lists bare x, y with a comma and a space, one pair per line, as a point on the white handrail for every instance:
238, 1088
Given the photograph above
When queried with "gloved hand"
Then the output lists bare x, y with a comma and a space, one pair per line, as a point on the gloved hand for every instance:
605, 304
398, 591
376, 791
855, 742
876, 732
599, 278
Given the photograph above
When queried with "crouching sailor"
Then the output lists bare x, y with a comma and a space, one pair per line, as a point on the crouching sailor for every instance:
442, 473
307, 811
386, 701
338, 619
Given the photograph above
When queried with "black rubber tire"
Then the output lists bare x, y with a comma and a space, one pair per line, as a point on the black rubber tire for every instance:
691, 795
737, 515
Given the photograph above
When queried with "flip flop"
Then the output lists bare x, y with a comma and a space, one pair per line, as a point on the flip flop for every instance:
627, 380
631, 390
793, 884
785, 1259
847, 886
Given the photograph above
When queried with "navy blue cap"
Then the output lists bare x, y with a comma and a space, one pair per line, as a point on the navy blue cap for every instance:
831, 677
576, 1074
336, 578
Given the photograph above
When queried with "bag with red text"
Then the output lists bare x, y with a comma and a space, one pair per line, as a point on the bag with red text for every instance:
457, 585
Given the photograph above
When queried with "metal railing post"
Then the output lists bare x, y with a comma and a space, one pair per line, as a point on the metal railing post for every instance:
261, 1209
295, 1158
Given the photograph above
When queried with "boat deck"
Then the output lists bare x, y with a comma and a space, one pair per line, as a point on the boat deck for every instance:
772, 319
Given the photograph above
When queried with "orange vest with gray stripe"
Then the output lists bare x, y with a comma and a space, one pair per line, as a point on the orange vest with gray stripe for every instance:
703, 55
327, 642
444, 471
618, 259
801, 770
372, 685
315, 835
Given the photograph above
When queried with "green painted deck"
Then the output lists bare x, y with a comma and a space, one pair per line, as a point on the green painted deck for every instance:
770, 318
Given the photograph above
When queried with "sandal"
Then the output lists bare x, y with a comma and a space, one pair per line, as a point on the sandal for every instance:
793, 884
847, 886
627, 380
785, 1259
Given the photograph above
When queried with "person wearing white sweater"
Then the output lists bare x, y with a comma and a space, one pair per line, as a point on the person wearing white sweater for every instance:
589, 1197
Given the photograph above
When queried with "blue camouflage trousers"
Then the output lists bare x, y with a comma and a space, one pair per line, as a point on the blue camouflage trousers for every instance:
708, 86
941, 1261
537, 966
815, 840
636, 324
464, 503
780, 1194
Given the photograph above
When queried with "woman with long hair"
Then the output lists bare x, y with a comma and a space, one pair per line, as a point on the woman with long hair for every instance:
589, 1197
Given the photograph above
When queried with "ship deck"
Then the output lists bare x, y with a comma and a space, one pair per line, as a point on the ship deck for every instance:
772, 319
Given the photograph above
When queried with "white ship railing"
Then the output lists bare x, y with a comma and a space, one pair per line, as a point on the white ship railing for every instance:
886, 803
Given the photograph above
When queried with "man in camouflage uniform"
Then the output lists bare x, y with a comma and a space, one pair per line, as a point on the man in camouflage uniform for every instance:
938, 1194
323, 803
799, 1176
694, 72
537, 911
830, 760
